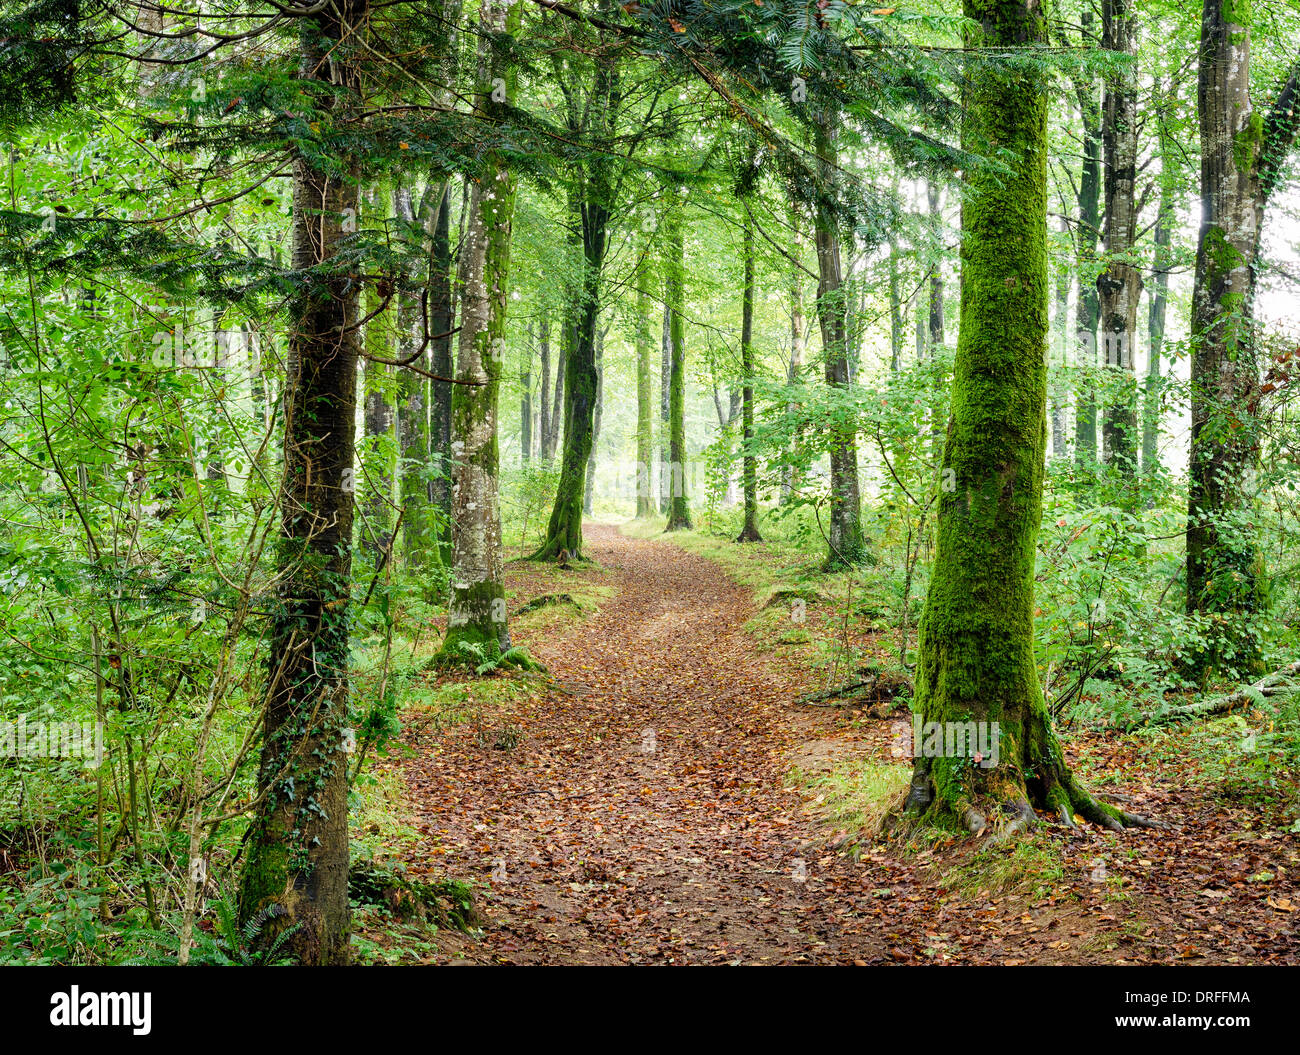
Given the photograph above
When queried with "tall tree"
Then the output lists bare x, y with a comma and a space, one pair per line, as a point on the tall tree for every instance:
442, 314
976, 636
645, 505
845, 544
1087, 308
679, 513
477, 611
1242, 153
1120, 282
296, 862
749, 531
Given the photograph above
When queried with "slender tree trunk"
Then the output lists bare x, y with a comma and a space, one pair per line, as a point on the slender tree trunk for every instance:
1156, 306
595, 423
477, 612
749, 532
1087, 309
679, 513
976, 662
789, 473
1120, 282
296, 860
935, 335
1062, 330
546, 448
413, 433
845, 542
526, 405
442, 315
645, 505
378, 419
665, 413
895, 311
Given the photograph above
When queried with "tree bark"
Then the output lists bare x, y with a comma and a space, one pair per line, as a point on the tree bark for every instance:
477, 612
442, 315
1241, 155
1120, 283
976, 640
845, 546
645, 505
1087, 309
296, 864
749, 532
679, 513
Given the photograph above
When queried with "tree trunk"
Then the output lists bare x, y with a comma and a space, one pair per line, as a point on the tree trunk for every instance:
477, 612
789, 474
564, 530
645, 505
296, 864
442, 315
976, 666
749, 532
546, 447
1157, 303
526, 405
413, 432
679, 513
595, 423
1062, 329
1087, 309
378, 419
845, 543
1241, 155
895, 311
1120, 283
665, 413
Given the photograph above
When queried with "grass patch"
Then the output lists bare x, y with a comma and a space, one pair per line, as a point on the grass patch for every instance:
856, 795
1031, 864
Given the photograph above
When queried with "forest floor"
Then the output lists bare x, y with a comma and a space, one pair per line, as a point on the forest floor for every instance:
668, 802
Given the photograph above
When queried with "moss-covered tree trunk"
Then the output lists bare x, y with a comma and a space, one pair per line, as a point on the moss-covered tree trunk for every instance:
845, 546
1242, 153
477, 612
1120, 283
976, 662
564, 529
749, 532
645, 503
679, 510
296, 861
591, 200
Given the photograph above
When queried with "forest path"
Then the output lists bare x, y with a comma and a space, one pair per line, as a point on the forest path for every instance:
643, 815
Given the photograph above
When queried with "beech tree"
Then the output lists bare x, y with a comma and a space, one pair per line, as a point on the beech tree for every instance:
1242, 153
976, 637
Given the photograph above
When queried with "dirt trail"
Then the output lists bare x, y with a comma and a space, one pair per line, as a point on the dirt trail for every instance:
644, 816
